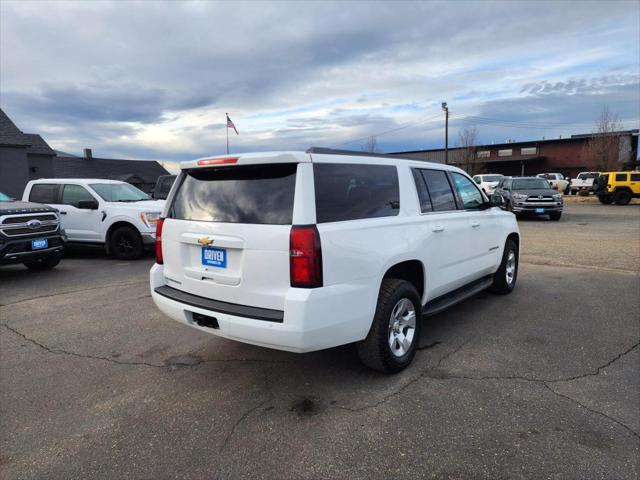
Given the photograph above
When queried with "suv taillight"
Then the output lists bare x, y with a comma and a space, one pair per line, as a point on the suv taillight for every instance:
305, 257
159, 258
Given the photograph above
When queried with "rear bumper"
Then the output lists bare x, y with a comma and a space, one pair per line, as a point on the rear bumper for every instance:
310, 319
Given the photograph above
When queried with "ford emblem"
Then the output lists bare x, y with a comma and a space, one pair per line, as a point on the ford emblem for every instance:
34, 224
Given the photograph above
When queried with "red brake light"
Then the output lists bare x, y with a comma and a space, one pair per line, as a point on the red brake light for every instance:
217, 161
305, 257
159, 258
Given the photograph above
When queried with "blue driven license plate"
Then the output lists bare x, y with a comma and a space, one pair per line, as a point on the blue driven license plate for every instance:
539, 210
214, 257
39, 244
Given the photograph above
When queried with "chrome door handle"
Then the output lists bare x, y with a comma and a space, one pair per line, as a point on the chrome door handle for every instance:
475, 225
438, 228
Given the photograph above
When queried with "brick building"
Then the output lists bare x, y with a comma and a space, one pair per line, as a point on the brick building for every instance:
565, 155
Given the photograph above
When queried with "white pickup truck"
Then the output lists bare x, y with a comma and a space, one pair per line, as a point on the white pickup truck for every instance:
100, 212
557, 180
584, 182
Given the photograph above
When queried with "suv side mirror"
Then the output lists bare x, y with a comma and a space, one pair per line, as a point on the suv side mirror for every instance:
496, 200
88, 205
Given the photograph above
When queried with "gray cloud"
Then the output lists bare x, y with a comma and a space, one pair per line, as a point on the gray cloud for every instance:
83, 73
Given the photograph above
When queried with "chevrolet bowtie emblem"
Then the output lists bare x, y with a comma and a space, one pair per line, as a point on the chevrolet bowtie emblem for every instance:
205, 241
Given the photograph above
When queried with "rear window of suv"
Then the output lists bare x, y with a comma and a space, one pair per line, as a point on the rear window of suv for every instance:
258, 194
353, 191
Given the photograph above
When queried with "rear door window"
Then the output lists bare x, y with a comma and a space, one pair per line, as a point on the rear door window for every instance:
352, 191
44, 193
440, 191
621, 177
257, 194
635, 177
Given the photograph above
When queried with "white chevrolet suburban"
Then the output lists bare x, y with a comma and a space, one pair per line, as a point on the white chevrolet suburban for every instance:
108, 213
302, 251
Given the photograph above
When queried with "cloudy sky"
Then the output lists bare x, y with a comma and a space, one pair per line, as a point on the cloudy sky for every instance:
154, 79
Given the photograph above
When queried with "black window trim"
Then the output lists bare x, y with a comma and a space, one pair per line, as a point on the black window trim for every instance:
453, 190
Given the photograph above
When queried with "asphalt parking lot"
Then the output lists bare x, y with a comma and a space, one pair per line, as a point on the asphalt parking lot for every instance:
96, 383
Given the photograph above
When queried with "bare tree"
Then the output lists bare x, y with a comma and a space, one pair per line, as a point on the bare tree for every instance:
467, 139
371, 145
602, 148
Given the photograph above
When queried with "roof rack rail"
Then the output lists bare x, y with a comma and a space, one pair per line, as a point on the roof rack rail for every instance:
359, 153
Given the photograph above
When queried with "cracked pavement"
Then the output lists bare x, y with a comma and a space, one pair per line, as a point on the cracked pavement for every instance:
544, 383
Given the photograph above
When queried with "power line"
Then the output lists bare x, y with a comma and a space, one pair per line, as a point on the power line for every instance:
406, 125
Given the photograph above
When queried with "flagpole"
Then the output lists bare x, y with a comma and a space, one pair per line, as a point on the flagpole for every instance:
226, 122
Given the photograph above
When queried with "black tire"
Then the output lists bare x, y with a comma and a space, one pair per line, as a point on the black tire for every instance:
509, 207
555, 216
566, 190
573, 192
375, 350
43, 263
126, 244
622, 197
501, 284
605, 199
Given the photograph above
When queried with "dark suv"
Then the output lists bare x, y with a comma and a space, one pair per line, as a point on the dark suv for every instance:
30, 234
531, 195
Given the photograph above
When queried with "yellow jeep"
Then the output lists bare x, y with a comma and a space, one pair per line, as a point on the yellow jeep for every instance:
618, 187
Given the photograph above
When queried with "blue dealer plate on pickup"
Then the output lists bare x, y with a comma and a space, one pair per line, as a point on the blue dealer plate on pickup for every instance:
39, 244
539, 210
214, 257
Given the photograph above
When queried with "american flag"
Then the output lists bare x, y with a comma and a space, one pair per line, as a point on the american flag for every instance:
231, 125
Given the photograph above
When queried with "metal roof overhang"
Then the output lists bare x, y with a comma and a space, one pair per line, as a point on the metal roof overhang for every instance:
512, 160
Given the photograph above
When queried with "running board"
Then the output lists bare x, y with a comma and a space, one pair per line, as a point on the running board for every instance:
447, 300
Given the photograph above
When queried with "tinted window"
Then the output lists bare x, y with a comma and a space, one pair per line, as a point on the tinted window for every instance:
44, 193
531, 184
469, 194
351, 192
423, 193
261, 194
72, 194
621, 177
440, 190
635, 177
166, 185
478, 180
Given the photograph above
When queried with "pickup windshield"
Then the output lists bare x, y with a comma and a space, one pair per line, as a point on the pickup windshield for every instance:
119, 192
492, 178
530, 184
584, 176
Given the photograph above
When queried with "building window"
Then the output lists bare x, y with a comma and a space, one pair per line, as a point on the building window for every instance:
505, 153
528, 151
483, 154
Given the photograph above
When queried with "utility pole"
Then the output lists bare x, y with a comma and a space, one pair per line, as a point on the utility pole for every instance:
446, 132
226, 122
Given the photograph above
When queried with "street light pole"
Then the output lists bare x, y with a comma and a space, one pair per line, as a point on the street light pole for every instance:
446, 132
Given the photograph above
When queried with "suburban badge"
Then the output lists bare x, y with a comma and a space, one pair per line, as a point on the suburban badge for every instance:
205, 241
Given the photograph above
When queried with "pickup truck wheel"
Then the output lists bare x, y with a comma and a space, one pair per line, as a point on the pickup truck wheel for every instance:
126, 244
44, 263
555, 216
391, 343
504, 280
623, 197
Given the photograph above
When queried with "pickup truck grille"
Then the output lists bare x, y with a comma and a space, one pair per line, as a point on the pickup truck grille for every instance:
539, 198
25, 224
43, 217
